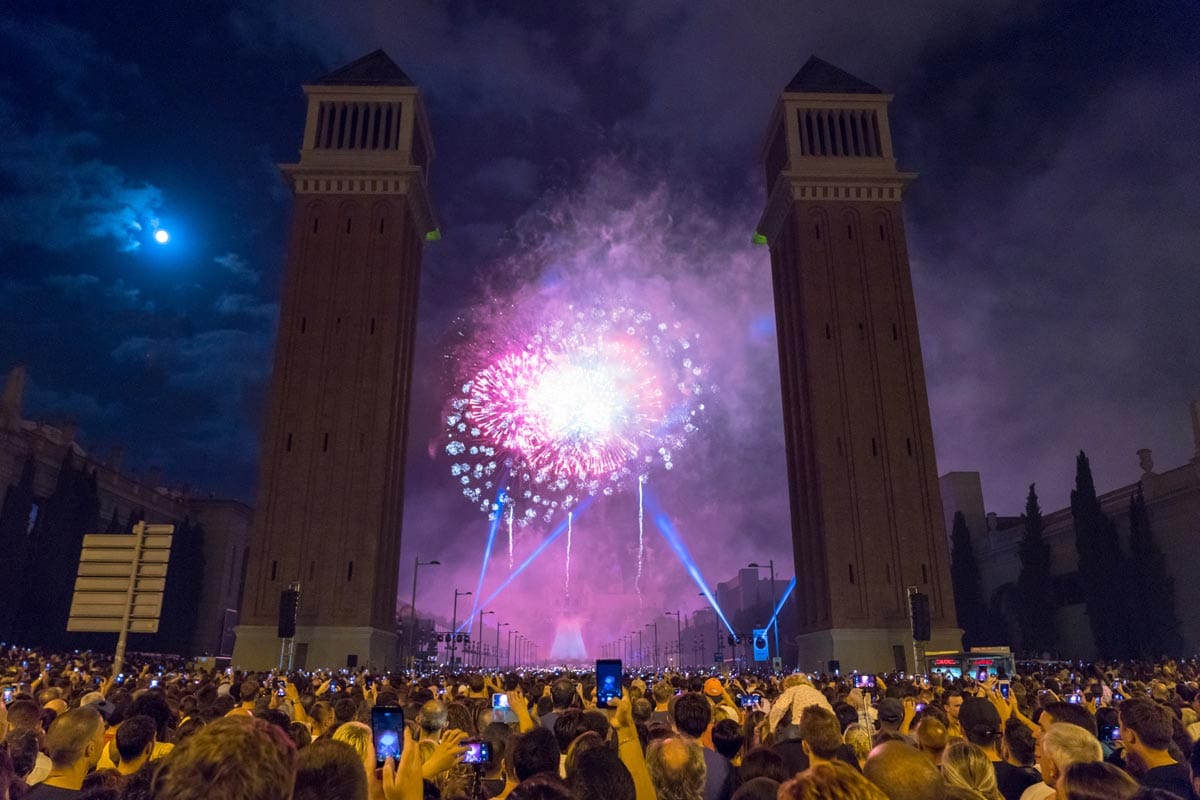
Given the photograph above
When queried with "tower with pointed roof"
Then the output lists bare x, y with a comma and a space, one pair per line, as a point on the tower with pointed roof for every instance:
865, 506
331, 492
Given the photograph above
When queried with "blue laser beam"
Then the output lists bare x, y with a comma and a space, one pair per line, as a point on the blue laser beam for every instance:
497, 514
786, 594
667, 529
541, 548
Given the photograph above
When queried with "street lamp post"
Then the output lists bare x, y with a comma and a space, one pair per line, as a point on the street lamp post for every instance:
640, 657
412, 630
479, 644
499, 625
655, 626
454, 624
508, 662
771, 566
678, 637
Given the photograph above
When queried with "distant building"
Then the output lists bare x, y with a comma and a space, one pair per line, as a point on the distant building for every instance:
1172, 501
122, 494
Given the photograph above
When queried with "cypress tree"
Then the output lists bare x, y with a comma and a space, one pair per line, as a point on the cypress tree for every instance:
1152, 590
1101, 566
185, 584
968, 585
14, 545
1035, 588
114, 524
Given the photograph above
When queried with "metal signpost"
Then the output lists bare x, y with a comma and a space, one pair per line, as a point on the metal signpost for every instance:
120, 585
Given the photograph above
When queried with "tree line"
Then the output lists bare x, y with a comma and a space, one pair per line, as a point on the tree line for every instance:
1127, 591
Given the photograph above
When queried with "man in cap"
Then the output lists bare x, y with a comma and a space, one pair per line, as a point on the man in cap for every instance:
981, 726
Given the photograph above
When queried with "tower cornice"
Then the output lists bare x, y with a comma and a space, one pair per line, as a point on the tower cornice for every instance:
834, 186
359, 180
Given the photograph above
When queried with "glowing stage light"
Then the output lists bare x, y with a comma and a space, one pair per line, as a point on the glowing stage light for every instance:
162, 236
786, 594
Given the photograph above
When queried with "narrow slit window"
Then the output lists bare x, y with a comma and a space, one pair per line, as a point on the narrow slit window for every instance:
372, 325
874, 447
350, 572
895, 333
274, 569
817, 231
924, 574
289, 443
851, 571
348, 225
908, 444
303, 324
839, 445
887, 570
316, 223
325, 444
381, 226
882, 235
849, 231
828, 332
312, 569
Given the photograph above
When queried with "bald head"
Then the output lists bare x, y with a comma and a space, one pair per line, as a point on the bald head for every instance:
433, 716
74, 736
676, 769
903, 772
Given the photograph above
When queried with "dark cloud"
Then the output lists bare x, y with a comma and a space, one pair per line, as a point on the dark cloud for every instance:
237, 267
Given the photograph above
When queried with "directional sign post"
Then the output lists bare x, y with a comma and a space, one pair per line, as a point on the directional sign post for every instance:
120, 584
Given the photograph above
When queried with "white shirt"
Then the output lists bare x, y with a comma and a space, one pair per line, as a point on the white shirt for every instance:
1039, 791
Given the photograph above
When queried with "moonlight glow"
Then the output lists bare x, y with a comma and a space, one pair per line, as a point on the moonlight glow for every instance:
161, 236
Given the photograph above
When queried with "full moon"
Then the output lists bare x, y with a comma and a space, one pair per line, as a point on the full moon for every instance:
161, 236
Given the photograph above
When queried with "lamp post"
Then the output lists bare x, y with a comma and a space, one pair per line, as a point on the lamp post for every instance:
678, 637
454, 623
640, 655
655, 626
412, 630
771, 566
479, 644
499, 625
508, 662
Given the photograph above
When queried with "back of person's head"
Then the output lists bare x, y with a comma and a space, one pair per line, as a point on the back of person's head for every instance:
345, 710
1147, 719
692, 714
903, 772
152, 704
663, 691
967, 765
676, 767
535, 752
1018, 738
24, 715
358, 736
1072, 714
433, 716
102, 784
72, 736
568, 725
859, 739
597, 773
759, 788
475, 682
588, 740
321, 714
932, 737
230, 759
562, 692
329, 770
1064, 744
134, 735
1095, 780
819, 727
24, 746
542, 786
763, 762
249, 690
300, 735
727, 738
499, 738
980, 722
834, 780
847, 714
642, 709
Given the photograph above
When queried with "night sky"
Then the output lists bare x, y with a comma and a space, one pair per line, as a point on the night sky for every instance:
611, 149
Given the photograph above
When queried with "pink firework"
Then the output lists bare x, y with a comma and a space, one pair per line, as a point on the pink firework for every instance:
584, 404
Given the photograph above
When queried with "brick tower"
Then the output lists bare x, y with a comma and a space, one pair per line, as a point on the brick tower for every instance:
332, 484
866, 513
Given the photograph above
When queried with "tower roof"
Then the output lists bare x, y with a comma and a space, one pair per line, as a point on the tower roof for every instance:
824, 78
373, 69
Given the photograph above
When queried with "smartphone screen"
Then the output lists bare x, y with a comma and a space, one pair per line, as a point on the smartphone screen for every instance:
478, 752
8, 694
499, 700
387, 728
864, 681
1005, 688
982, 675
608, 682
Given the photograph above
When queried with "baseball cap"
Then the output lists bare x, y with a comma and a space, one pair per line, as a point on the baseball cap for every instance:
979, 718
713, 688
890, 710
97, 701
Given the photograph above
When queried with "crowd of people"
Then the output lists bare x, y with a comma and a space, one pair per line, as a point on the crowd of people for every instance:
164, 729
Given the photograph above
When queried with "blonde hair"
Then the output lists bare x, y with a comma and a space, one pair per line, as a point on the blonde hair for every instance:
358, 736
833, 780
859, 738
967, 766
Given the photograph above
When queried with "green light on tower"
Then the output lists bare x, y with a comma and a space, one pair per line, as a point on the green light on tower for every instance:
758, 238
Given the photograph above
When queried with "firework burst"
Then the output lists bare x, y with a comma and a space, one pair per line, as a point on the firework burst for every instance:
584, 405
